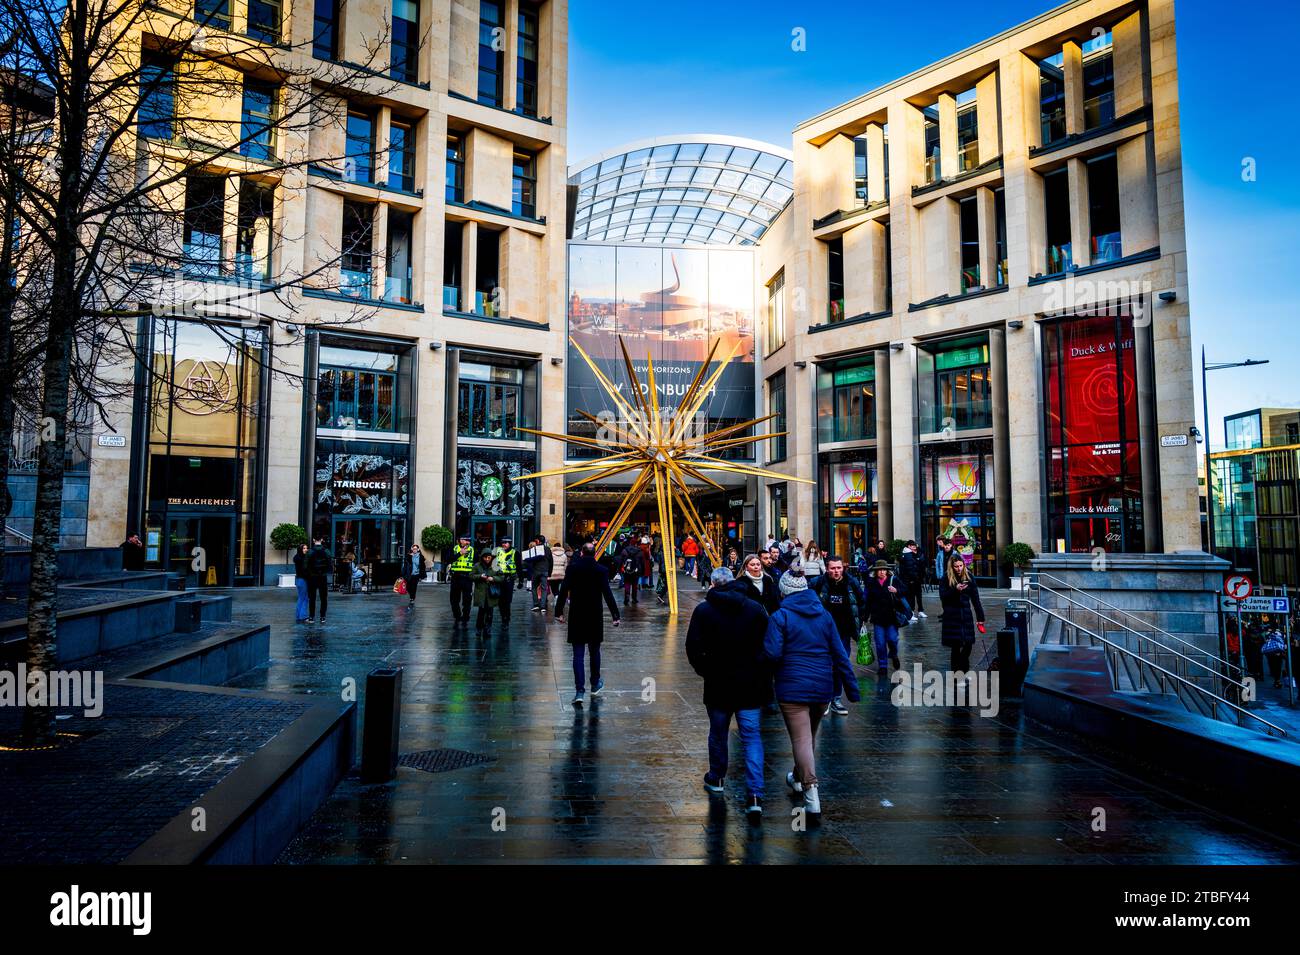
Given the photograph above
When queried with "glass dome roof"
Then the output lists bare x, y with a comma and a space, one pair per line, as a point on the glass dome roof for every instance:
682, 190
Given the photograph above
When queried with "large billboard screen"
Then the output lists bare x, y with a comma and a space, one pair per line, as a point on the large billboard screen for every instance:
671, 303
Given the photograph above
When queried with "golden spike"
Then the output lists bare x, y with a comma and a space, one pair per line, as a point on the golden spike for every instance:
601, 444
717, 464
577, 468
699, 375
613, 472
688, 411
629, 502
608, 385
752, 422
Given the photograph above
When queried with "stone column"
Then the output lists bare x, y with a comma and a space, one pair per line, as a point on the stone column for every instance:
986, 106
884, 446
1080, 224
1072, 67
875, 136
468, 265
986, 206
1002, 519
1148, 440
902, 435
947, 135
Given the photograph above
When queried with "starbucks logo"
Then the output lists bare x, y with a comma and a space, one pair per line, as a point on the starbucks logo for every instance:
492, 488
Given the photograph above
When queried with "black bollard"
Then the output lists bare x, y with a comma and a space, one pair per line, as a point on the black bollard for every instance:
379, 737
1011, 662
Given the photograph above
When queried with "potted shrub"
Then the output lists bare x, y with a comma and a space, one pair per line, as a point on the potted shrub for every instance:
288, 538
894, 550
436, 539
1016, 556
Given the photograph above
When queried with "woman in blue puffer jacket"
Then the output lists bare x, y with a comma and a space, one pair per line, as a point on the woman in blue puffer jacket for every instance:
805, 646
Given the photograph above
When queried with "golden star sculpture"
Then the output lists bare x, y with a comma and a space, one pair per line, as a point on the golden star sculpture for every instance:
661, 445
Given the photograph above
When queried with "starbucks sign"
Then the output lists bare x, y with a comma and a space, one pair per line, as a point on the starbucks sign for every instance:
491, 488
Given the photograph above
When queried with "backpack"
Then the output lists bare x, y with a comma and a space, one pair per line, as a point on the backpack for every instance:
632, 563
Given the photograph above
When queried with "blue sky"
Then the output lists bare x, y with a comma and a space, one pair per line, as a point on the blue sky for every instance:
667, 66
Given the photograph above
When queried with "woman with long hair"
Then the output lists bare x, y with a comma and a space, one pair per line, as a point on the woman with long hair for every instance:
300, 582
814, 563
963, 614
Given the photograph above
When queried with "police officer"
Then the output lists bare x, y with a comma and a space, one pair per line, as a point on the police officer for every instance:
462, 582
505, 556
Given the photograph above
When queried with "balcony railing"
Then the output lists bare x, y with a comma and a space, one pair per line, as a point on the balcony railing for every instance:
968, 155
397, 289
932, 168
1053, 126
1099, 111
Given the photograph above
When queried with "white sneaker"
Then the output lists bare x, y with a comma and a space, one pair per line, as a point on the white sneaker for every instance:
914, 618
792, 782
921, 614
812, 802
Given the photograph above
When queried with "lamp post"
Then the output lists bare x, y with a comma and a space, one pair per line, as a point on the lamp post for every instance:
1205, 408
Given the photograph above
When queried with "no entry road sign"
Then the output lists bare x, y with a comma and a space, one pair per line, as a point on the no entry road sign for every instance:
1238, 587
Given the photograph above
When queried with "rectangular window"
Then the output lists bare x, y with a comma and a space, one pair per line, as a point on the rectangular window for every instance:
157, 95
526, 64
835, 279
776, 406
970, 243
452, 254
325, 35
1000, 253
487, 287
933, 170
1056, 195
404, 51
491, 52
968, 136
214, 13
253, 232
487, 409
846, 402
455, 168
524, 187
776, 313
357, 248
961, 389
1103, 210
264, 19
860, 170
257, 120
359, 158
357, 398
1098, 83
399, 284
1051, 100
401, 157
205, 198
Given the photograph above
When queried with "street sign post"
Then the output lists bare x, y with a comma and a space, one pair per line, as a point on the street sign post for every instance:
1278, 605
1238, 586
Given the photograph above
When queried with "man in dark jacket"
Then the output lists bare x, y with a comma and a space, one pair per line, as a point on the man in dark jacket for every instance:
844, 600
132, 552
319, 564
627, 561
585, 585
911, 571
413, 571
724, 644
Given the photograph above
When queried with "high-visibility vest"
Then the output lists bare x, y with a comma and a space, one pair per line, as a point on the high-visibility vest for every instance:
507, 560
464, 562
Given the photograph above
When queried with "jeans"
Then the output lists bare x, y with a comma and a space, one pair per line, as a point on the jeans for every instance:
747, 722
886, 639
318, 585
300, 612
801, 721
915, 590
579, 675
689, 566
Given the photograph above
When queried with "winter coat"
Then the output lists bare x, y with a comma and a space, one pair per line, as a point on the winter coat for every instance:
882, 606
803, 643
961, 611
724, 644
647, 562
300, 566
417, 569
485, 595
690, 547
814, 566
629, 556
320, 562
585, 584
559, 563
909, 567
769, 597
844, 601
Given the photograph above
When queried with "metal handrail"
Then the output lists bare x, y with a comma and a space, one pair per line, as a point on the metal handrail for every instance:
1216, 700
1142, 636
1150, 626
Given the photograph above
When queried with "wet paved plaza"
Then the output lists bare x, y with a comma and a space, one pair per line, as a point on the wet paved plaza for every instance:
620, 780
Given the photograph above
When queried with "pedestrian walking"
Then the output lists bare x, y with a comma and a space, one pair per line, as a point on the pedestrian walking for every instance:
758, 585
661, 570
132, 552
505, 557
490, 582
585, 585
300, 583
963, 614
413, 570
690, 552
628, 562
843, 598
885, 604
559, 563
911, 572
461, 574
724, 645
814, 563
319, 564
805, 647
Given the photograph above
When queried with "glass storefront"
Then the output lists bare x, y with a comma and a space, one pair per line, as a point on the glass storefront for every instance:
953, 385
490, 498
846, 401
850, 503
202, 471
1094, 474
957, 501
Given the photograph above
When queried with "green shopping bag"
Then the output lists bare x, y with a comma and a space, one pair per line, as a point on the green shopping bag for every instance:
866, 650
